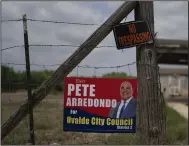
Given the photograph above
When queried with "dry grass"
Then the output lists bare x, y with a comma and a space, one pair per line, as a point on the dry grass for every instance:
48, 122
48, 125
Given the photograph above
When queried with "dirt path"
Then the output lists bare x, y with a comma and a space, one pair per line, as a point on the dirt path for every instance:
180, 108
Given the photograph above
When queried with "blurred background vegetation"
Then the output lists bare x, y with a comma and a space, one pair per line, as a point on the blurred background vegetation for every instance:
12, 80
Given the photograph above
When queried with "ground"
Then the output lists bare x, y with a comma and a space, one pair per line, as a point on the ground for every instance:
48, 125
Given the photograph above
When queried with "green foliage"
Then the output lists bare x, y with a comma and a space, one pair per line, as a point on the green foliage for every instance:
177, 132
12, 80
117, 75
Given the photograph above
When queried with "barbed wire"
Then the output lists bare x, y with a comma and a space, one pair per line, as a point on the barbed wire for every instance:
13, 20
18, 46
38, 45
51, 21
63, 22
108, 46
81, 66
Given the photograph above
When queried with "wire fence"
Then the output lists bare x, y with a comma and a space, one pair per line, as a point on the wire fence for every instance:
48, 114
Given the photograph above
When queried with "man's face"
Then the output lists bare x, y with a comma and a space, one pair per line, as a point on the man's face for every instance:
125, 91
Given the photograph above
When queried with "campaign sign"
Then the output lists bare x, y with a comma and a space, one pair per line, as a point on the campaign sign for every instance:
105, 105
133, 33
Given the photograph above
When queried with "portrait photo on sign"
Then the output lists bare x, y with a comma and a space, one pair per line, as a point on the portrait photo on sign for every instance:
105, 105
127, 106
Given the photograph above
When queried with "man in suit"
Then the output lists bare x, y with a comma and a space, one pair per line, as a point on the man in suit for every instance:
127, 107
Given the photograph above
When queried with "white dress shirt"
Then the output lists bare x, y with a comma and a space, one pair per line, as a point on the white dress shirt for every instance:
120, 106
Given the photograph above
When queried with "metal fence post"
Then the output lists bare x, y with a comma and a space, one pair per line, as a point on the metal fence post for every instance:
28, 75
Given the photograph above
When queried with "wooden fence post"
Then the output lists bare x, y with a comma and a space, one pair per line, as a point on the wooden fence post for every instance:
151, 121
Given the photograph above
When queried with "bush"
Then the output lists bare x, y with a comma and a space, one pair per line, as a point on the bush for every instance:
117, 75
12, 80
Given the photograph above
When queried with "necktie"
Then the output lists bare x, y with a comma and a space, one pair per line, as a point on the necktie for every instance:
122, 109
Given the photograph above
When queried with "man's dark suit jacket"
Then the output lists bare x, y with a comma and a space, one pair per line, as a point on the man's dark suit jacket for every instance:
129, 111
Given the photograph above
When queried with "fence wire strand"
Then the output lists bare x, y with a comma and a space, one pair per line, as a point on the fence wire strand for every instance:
51, 21
74, 46
12, 20
61, 22
79, 66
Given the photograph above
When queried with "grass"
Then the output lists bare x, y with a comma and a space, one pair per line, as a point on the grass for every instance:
177, 131
48, 125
